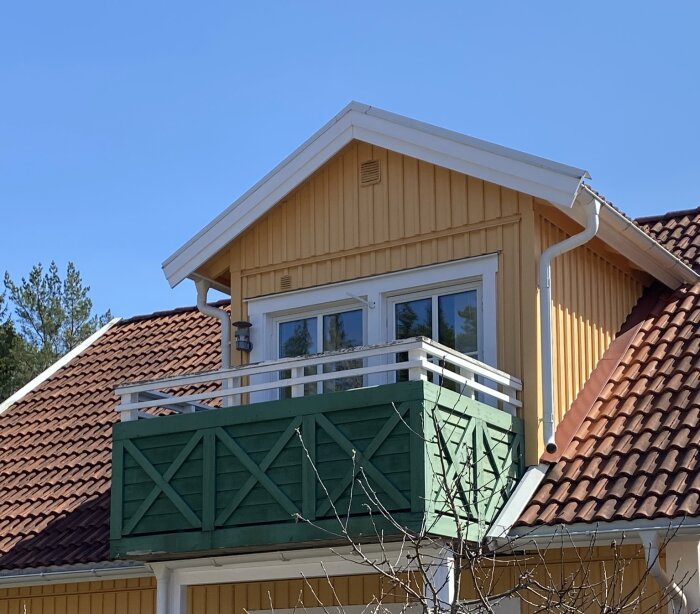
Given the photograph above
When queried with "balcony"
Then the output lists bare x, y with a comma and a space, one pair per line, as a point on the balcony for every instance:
201, 465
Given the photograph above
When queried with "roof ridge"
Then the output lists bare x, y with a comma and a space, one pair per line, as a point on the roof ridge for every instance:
170, 312
666, 216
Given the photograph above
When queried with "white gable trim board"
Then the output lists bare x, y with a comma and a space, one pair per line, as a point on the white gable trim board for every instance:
551, 181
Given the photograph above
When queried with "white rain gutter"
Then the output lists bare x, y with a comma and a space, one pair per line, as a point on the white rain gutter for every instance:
73, 573
203, 286
545, 281
650, 541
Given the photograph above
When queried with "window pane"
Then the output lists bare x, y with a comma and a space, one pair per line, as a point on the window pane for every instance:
414, 318
457, 325
297, 338
340, 331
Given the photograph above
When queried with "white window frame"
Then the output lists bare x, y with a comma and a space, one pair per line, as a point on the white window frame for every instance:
433, 292
374, 295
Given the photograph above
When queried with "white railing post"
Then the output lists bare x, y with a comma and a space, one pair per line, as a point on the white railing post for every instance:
230, 400
427, 361
297, 389
130, 414
417, 373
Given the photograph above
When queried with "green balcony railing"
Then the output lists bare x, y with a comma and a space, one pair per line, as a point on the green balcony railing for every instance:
408, 456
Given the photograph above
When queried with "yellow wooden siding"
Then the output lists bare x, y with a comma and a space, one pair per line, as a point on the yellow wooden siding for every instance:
591, 296
593, 569
132, 596
330, 229
284, 594
629, 567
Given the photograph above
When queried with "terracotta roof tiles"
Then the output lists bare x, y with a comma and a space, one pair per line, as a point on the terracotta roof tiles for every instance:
639, 444
55, 442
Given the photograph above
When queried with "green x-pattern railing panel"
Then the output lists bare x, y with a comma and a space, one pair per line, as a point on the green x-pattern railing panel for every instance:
280, 472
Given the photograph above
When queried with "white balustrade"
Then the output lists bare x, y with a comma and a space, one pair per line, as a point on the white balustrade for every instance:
470, 377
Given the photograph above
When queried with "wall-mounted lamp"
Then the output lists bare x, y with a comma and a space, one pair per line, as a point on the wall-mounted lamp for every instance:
242, 334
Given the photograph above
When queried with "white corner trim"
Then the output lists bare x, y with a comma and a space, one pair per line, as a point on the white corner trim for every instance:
523, 172
61, 362
517, 502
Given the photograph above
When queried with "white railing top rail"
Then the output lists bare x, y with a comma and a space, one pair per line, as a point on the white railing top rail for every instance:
368, 364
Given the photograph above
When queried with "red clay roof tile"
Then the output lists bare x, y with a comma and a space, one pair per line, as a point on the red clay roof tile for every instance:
640, 441
55, 464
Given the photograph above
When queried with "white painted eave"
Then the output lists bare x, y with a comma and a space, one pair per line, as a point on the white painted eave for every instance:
61, 362
554, 182
632, 242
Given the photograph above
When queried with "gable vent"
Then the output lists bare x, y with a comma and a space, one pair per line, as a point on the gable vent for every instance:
370, 172
285, 282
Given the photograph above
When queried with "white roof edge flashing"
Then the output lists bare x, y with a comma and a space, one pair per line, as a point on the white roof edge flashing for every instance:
61, 362
632, 242
552, 181
677, 528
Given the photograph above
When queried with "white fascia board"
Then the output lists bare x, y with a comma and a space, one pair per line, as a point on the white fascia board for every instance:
61, 362
554, 182
283, 565
582, 534
634, 244
259, 199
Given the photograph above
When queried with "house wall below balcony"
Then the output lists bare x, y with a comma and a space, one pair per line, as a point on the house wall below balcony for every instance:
627, 573
132, 596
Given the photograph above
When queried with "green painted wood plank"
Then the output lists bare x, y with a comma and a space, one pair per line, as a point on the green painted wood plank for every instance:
308, 463
394, 420
161, 483
370, 470
117, 491
208, 480
257, 472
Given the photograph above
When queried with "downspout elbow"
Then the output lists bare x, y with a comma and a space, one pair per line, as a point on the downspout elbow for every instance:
545, 283
202, 291
650, 542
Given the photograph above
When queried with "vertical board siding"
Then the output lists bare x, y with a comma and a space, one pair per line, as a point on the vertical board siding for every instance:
288, 594
550, 567
591, 299
132, 596
330, 229
370, 588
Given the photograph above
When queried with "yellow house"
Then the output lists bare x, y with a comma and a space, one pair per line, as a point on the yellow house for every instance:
401, 293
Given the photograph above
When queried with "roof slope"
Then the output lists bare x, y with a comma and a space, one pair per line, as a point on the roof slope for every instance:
636, 452
678, 232
55, 442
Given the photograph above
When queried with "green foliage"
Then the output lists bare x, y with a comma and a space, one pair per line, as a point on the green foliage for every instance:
51, 316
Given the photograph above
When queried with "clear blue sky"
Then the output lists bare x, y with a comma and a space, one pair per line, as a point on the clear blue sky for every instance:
127, 126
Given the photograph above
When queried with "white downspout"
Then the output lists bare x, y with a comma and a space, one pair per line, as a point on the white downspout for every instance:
545, 281
220, 314
650, 541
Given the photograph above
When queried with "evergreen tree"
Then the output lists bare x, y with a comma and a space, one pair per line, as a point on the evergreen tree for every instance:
51, 317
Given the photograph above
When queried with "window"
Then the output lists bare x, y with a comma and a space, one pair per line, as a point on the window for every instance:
336, 331
453, 303
448, 317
